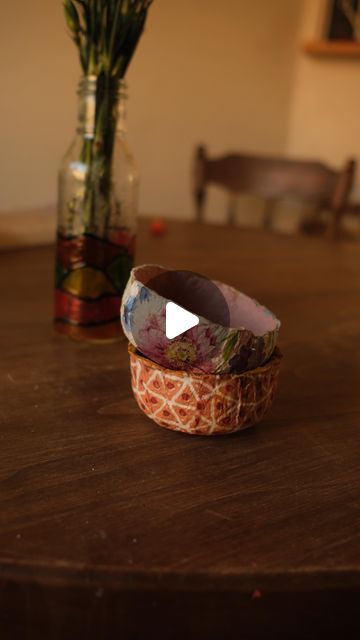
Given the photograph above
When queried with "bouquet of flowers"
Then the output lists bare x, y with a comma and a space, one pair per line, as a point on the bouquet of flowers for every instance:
106, 33
98, 176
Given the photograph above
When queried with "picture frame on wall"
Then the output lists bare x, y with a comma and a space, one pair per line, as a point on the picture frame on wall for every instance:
338, 29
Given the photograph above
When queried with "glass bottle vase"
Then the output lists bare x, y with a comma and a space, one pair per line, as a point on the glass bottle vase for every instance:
97, 211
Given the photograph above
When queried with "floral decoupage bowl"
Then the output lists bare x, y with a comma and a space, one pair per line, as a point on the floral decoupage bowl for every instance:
203, 404
209, 347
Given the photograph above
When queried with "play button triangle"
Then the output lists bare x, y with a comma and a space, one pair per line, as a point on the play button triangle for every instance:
178, 320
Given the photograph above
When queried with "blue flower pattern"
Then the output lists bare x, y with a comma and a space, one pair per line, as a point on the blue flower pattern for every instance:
129, 307
143, 295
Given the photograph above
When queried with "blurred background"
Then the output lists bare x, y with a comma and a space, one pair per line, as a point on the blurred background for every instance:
231, 74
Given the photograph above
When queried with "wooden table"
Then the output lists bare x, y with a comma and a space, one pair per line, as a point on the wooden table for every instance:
113, 527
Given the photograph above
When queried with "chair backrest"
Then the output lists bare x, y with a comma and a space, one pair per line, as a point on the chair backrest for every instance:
274, 179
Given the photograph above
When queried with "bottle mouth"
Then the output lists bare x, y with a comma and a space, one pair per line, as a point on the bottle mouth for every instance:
89, 85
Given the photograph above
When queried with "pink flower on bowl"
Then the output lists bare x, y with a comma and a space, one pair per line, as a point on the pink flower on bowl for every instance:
193, 348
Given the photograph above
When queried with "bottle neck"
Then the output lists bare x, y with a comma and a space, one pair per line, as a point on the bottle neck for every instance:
101, 103
121, 122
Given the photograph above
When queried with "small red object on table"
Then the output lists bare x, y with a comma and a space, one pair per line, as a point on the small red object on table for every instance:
157, 227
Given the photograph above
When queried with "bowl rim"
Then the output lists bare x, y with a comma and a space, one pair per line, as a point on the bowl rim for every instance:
273, 362
275, 331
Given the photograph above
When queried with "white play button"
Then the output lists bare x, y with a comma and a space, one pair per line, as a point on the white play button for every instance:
178, 320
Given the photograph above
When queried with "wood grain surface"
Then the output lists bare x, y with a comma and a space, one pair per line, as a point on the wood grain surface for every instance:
113, 527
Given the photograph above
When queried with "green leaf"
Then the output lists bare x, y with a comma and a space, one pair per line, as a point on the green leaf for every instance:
60, 273
71, 17
106, 32
119, 271
229, 346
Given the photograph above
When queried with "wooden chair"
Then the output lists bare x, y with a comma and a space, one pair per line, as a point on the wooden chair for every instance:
274, 179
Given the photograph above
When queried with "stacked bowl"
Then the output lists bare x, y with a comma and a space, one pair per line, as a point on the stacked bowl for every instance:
217, 377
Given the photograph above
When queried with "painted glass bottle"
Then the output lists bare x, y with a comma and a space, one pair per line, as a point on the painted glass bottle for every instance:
97, 211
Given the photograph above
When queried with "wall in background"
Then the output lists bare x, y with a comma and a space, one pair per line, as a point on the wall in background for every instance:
324, 114
205, 71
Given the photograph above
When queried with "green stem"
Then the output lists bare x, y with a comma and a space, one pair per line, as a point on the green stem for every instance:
97, 154
88, 206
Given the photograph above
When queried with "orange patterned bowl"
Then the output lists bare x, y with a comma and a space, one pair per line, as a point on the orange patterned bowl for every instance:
203, 404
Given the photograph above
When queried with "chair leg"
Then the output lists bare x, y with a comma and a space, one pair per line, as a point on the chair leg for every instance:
199, 204
199, 182
268, 214
334, 227
312, 223
232, 210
